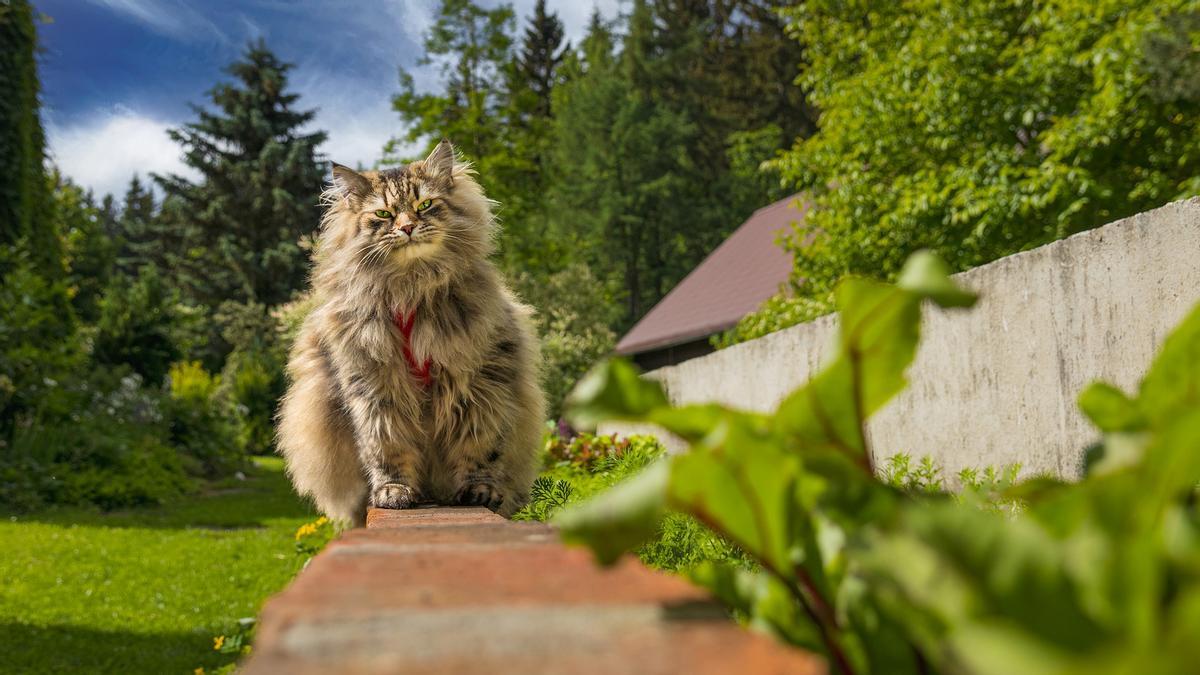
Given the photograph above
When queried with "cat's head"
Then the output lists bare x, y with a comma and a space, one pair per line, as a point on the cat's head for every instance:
429, 212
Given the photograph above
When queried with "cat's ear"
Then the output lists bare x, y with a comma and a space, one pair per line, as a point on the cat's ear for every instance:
350, 183
441, 160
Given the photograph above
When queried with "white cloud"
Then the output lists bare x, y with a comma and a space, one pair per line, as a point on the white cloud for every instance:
168, 17
104, 151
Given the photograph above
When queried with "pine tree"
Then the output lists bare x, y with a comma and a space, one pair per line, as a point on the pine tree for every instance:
542, 52
137, 231
239, 228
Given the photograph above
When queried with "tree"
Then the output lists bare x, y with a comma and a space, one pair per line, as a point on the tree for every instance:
240, 226
620, 182
542, 52
1059, 117
91, 252
470, 46
138, 236
25, 201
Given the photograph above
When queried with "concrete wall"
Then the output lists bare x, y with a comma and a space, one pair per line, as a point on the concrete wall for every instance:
997, 384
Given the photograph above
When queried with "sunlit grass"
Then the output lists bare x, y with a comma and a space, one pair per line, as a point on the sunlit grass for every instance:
144, 591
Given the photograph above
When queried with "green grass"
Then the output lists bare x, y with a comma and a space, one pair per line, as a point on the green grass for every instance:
145, 591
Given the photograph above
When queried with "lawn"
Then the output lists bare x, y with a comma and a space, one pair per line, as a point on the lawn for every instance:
145, 591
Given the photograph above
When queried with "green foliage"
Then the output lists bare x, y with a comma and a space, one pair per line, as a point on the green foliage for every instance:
236, 235
575, 312
1059, 117
111, 451
1098, 576
587, 465
136, 325
25, 202
776, 313
198, 422
39, 347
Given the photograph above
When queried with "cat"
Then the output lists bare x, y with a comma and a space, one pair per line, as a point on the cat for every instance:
415, 376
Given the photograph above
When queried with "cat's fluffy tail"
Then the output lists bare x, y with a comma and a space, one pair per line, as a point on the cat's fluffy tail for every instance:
316, 441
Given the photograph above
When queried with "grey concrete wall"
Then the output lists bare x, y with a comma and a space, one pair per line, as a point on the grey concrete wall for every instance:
997, 384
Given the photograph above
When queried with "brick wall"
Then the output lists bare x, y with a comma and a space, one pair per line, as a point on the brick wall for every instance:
461, 590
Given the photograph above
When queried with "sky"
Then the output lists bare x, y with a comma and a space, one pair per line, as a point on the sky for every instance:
117, 74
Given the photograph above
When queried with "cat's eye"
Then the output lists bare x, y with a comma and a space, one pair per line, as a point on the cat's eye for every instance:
425, 204
383, 214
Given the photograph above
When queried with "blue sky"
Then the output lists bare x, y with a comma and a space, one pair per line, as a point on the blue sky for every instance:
116, 74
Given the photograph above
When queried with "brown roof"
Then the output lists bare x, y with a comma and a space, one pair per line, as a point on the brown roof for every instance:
746, 269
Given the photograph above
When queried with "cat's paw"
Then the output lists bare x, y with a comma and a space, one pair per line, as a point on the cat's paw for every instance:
480, 494
393, 496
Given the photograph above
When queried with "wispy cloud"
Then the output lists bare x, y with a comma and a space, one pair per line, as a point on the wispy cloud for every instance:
168, 17
103, 152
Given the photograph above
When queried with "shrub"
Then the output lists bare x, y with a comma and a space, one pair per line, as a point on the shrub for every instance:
112, 453
589, 464
137, 325
1098, 576
39, 346
574, 312
198, 426
253, 384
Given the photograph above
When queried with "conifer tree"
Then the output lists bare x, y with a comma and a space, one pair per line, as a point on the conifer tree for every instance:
137, 231
239, 228
542, 52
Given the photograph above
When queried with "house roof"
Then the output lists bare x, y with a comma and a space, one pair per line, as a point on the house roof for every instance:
746, 269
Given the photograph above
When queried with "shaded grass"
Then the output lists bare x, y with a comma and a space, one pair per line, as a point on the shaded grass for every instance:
145, 591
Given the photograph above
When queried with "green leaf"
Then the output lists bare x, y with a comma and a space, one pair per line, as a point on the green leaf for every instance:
1172, 385
928, 276
1110, 409
613, 390
618, 520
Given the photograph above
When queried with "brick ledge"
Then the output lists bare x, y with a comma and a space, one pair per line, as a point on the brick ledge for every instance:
462, 590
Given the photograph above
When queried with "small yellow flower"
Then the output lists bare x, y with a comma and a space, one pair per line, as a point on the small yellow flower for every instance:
305, 530
218, 642
321, 521
198, 671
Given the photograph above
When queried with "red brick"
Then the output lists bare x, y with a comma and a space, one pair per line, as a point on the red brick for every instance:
464, 591
446, 515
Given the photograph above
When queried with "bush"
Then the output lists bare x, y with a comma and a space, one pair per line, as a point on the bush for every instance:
574, 312
137, 326
253, 382
587, 464
893, 576
197, 422
112, 453
39, 347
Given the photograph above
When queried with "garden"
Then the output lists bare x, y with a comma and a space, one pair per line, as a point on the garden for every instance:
144, 328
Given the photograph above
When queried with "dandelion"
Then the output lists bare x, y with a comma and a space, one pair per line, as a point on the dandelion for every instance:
321, 521
218, 642
305, 530
198, 671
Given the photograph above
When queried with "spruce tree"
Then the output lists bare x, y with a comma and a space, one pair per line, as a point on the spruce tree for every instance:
542, 53
239, 228
137, 231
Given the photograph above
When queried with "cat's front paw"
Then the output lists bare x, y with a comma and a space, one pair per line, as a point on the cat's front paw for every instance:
393, 496
480, 494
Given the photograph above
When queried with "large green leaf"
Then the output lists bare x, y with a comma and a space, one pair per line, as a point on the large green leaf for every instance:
618, 520
613, 390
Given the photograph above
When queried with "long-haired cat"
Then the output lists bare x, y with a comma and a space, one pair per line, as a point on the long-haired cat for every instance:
415, 376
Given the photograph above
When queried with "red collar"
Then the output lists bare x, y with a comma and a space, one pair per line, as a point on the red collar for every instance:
419, 370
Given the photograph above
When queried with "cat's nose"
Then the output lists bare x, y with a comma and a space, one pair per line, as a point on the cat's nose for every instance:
405, 224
